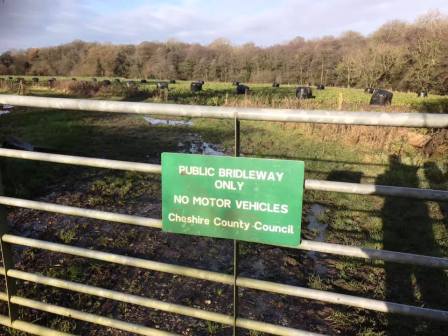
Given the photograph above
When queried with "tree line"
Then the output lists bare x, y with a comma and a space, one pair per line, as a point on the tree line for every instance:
399, 56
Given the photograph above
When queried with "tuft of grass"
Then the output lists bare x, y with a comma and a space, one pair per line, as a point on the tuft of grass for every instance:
213, 328
315, 282
68, 235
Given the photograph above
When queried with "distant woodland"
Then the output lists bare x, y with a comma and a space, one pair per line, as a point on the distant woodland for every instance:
399, 55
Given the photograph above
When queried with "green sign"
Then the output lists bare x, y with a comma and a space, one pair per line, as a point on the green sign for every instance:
258, 200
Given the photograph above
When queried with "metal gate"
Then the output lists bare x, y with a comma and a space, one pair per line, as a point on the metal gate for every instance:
236, 114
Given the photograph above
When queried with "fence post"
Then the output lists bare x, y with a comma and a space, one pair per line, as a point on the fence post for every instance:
235, 242
7, 256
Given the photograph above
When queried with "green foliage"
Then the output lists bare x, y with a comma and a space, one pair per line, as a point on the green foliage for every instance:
62, 324
213, 328
121, 64
68, 235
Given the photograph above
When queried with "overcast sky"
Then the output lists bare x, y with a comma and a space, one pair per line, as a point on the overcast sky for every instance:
38, 23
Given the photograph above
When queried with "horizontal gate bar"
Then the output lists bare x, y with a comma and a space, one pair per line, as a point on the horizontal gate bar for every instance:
333, 186
435, 120
370, 253
87, 317
83, 161
375, 189
343, 299
81, 212
354, 301
156, 304
30, 328
119, 259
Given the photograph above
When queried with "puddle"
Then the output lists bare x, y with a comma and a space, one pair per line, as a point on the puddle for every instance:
194, 144
314, 224
319, 229
210, 149
200, 147
6, 109
158, 122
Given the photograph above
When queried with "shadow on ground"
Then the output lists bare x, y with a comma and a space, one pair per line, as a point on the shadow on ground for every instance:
407, 227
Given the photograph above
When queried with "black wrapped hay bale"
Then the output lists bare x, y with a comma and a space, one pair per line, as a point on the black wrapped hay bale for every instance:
304, 92
143, 81
73, 79
275, 85
242, 89
196, 86
381, 97
172, 81
35, 80
51, 82
106, 82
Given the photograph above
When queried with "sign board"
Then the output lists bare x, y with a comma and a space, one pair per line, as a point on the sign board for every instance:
257, 200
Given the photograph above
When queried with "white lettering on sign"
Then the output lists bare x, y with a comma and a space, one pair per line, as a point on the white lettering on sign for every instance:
181, 199
239, 224
274, 228
262, 206
242, 174
196, 171
211, 202
261, 175
173, 217
231, 224
229, 185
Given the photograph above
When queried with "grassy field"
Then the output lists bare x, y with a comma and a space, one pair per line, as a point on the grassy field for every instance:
355, 154
262, 94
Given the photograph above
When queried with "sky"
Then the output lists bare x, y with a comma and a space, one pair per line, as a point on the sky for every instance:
40, 23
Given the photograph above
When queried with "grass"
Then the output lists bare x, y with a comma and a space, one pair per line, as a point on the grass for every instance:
353, 154
218, 93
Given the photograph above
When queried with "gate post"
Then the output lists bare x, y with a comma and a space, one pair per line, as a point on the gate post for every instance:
7, 256
237, 137
235, 242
